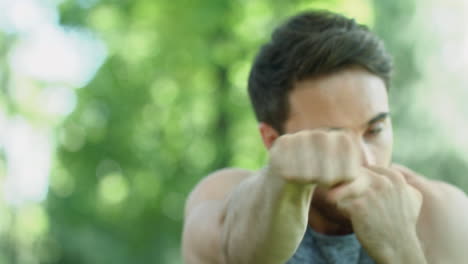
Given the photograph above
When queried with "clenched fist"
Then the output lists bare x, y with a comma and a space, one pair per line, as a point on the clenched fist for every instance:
384, 210
315, 157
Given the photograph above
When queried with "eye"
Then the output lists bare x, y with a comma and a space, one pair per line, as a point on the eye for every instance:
375, 129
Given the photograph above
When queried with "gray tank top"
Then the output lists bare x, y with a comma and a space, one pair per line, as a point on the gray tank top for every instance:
317, 248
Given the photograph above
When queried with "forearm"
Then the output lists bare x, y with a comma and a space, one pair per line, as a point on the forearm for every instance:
265, 219
408, 252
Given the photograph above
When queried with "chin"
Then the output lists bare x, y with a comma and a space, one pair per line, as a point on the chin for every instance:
329, 211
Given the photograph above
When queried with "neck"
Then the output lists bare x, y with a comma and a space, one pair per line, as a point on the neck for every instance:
320, 223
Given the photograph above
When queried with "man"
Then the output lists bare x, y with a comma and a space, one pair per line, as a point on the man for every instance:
329, 192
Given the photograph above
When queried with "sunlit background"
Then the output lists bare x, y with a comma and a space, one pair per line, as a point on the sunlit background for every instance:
111, 111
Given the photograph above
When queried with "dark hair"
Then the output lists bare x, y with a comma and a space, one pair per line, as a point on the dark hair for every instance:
310, 44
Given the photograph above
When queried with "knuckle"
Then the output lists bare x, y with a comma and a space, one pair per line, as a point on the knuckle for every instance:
343, 138
345, 145
320, 141
302, 137
345, 141
283, 143
279, 142
285, 138
398, 177
350, 174
385, 183
319, 135
357, 206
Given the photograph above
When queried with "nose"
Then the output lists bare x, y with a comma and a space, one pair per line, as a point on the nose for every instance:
367, 158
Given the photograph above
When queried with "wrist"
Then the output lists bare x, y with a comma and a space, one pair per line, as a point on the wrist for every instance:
290, 195
283, 184
407, 251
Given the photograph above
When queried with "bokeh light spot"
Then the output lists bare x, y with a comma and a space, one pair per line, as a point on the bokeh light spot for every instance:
113, 188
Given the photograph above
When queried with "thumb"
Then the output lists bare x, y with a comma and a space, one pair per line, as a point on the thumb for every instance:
416, 197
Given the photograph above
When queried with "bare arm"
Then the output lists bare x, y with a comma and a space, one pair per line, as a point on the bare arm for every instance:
443, 223
247, 224
384, 210
262, 218
445, 232
201, 238
265, 219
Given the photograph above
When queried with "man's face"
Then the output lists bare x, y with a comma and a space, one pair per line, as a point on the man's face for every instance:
352, 100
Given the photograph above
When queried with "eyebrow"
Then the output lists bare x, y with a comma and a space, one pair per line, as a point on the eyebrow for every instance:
379, 117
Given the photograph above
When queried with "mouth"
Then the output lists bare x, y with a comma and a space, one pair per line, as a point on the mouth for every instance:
324, 216
326, 207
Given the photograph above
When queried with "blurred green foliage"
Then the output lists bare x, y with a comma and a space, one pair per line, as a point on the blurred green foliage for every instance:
168, 107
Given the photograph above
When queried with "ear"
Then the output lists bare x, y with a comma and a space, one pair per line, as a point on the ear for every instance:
268, 133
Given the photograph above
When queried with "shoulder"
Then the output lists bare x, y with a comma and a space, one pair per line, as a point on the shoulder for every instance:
447, 205
215, 186
204, 209
438, 193
435, 190
443, 221
439, 198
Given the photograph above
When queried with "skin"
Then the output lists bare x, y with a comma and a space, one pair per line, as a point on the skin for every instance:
364, 118
332, 171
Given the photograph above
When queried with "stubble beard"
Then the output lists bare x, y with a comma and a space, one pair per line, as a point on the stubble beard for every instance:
333, 220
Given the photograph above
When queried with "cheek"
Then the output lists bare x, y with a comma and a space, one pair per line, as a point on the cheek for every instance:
382, 148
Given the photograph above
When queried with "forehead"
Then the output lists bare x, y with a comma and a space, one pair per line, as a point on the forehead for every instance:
345, 99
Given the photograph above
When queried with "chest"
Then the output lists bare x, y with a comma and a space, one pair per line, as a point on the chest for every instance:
320, 249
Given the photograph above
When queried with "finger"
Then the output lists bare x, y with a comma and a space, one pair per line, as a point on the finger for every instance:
416, 196
349, 190
331, 159
321, 144
411, 177
393, 175
348, 155
414, 179
305, 162
352, 207
415, 192
402, 169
